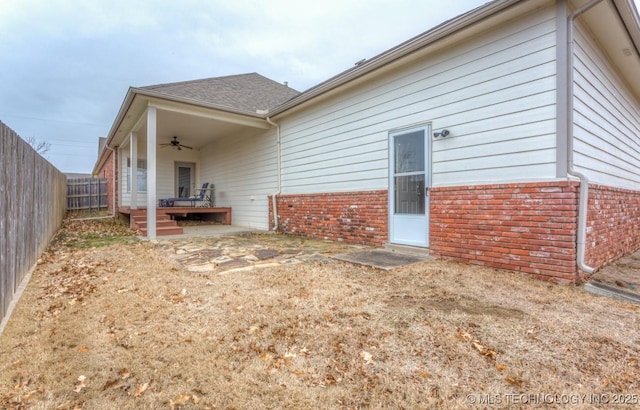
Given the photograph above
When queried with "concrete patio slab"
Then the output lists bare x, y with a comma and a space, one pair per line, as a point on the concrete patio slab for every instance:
620, 279
612, 292
381, 259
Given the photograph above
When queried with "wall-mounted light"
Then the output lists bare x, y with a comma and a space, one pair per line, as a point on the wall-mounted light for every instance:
442, 133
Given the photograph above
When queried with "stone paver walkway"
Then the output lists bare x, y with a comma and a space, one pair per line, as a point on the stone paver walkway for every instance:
245, 252
226, 254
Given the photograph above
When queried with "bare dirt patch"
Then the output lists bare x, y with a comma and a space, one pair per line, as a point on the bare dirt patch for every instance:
111, 322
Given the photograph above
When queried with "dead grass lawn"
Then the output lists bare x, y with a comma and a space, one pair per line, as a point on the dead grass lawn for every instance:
122, 326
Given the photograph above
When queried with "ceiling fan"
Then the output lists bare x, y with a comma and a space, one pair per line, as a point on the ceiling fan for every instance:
175, 144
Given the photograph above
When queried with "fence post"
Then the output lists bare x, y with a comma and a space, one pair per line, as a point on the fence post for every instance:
98, 198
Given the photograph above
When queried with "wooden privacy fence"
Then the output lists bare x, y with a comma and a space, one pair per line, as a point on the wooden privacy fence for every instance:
87, 194
32, 206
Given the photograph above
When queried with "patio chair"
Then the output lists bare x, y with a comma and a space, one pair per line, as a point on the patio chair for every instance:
193, 199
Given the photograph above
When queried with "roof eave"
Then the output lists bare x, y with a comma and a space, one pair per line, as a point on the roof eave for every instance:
631, 19
132, 92
400, 51
124, 107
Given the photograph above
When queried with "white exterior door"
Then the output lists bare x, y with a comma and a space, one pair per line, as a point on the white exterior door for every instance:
409, 182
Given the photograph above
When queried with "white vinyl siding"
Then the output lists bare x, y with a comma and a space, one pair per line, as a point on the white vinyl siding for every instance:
166, 171
243, 171
606, 118
124, 163
494, 92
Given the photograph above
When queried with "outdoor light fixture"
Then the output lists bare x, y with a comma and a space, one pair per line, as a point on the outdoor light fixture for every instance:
442, 134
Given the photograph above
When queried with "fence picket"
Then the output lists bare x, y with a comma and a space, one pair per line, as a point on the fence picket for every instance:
32, 206
86, 194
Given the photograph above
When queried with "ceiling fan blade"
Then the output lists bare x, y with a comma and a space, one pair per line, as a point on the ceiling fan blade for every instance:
185, 146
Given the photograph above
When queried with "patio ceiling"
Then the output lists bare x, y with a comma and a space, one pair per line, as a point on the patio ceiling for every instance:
191, 130
195, 126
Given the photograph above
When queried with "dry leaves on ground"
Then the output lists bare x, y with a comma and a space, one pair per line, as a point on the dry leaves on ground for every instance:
120, 325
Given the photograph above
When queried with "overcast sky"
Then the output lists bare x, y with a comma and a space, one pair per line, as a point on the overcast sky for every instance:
65, 66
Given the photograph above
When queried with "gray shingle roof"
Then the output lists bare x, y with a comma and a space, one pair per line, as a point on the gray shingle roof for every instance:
244, 92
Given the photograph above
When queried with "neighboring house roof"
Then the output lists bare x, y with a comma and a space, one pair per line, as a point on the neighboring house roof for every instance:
244, 92
102, 141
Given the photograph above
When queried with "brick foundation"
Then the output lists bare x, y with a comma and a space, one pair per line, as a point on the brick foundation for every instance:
352, 217
525, 227
613, 224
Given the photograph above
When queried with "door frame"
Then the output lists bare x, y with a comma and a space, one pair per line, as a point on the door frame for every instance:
182, 164
426, 127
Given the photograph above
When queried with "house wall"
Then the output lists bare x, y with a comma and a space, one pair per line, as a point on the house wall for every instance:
165, 171
481, 90
495, 198
123, 156
526, 227
494, 92
613, 228
243, 171
107, 172
607, 150
606, 119
353, 217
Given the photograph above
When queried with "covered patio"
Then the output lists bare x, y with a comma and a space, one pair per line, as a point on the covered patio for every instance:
169, 139
166, 218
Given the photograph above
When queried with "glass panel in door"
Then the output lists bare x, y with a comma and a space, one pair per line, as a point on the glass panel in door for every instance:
409, 182
184, 181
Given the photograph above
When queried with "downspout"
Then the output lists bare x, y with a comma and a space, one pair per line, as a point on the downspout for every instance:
279, 172
583, 201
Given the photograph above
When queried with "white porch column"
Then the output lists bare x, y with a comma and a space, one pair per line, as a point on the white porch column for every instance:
151, 172
133, 173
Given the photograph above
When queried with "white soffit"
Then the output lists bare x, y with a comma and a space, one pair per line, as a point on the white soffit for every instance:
610, 31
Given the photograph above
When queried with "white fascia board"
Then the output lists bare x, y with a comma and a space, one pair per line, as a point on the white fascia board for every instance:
631, 20
408, 47
124, 107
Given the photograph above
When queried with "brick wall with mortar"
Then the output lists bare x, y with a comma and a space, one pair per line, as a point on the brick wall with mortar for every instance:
525, 227
613, 224
352, 217
107, 172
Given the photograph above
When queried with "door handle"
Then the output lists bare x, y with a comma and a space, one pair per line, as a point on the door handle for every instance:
426, 191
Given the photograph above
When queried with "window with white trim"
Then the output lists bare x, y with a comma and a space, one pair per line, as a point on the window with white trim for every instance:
141, 175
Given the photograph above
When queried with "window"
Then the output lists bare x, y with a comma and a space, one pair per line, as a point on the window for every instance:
141, 175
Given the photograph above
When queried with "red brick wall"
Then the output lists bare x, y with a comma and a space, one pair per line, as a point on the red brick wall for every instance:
526, 227
107, 172
613, 224
352, 217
